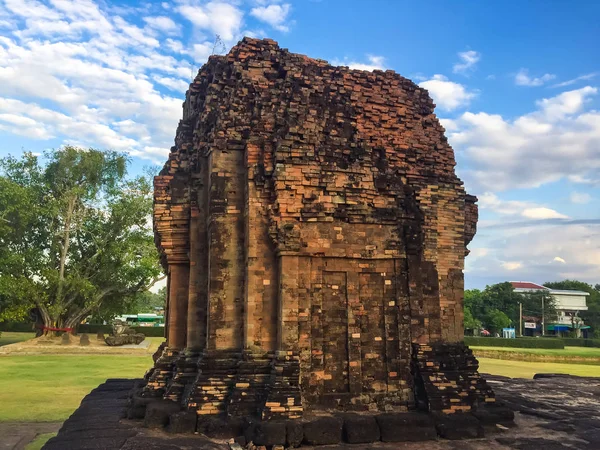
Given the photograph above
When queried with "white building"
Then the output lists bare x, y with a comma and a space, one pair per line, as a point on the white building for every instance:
569, 304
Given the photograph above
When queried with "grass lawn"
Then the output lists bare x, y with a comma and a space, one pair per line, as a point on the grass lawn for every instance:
527, 369
10, 337
47, 388
590, 352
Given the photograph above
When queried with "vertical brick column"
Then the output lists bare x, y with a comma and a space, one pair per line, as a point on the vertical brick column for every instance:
260, 318
226, 250
196, 310
288, 302
178, 304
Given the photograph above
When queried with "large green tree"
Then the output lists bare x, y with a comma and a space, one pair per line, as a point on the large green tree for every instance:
74, 235
495, 320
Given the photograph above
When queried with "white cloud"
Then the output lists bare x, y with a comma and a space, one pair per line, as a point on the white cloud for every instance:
533, 252
558, 140
31, 9
52, 123
447, 94
200, 52
275, 15
449, 124
565, 104
522, 78
512, 265
162, 23
587, 76
220, 18
174, 46
468, 60
580, 197
160, 152
517, 208
374, 63
136, 34
541, 212
175, 84
478, 252
80, 74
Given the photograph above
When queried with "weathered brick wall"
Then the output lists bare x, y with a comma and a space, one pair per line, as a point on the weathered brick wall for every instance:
318, 212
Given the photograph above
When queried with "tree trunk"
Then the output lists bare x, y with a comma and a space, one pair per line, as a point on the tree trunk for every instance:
45, 315
65, 249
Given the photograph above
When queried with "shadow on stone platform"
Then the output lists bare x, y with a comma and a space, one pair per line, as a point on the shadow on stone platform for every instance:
552, 412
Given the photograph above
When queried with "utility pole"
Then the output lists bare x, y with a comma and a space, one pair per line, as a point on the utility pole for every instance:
543, 321
520, 319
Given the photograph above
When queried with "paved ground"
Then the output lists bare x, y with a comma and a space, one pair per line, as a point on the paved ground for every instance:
16, 435
559, 412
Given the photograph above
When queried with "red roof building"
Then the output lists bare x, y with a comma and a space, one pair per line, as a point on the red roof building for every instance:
527, 285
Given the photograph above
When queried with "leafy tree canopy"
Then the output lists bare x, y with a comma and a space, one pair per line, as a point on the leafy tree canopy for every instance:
471, 323
496, 320
74, 235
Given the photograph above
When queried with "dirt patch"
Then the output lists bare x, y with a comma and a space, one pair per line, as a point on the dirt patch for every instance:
45, 345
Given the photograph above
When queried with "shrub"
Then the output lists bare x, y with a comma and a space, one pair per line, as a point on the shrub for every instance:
27, 327
514, 343
107, 329
580, 342
17, 327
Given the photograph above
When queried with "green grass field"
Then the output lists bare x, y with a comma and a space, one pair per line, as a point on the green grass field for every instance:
48, 388
9, 337
527, 369
589, 352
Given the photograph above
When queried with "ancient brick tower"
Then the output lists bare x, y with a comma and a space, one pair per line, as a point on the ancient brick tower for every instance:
314, 234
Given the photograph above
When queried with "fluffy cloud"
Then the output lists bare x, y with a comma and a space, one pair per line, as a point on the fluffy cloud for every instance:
162, 23
560, 139
96, 74
522, 78
512, 265
517, 208
447, 94
174, 84
275, 15
219, 18
374, 63
531, 253
468, 60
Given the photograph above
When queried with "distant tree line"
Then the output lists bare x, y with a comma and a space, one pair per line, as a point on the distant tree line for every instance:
497, 306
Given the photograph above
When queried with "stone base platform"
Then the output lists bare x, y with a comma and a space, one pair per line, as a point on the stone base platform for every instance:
551, 412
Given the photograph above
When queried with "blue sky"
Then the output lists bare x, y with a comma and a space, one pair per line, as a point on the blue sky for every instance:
516, 86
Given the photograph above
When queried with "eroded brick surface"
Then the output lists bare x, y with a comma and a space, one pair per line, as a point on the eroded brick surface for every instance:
310, 216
